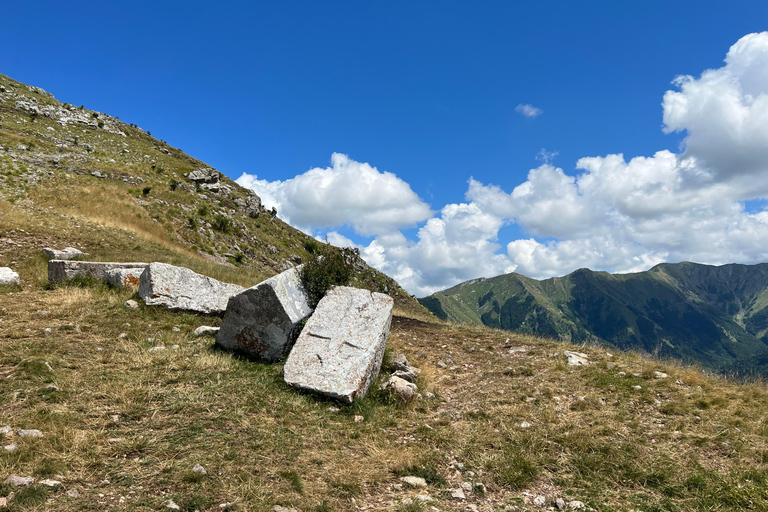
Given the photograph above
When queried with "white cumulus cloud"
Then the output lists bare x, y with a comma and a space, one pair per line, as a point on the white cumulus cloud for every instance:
347, 193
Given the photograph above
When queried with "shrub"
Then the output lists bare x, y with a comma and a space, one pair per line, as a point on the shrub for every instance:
146, 191
326, 270
311, 246
202, 211
222, 223
174, 184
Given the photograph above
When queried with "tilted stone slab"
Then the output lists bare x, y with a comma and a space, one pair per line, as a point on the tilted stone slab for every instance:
181, 289
260, 320
340, 349
118, 277
8, 276
61, 270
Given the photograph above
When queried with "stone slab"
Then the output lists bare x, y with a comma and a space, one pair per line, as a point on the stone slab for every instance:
261, 320
340, 349
181, 289
118, 277
68, 253
62, 270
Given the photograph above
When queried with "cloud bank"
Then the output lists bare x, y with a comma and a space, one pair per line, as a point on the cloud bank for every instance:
609, 213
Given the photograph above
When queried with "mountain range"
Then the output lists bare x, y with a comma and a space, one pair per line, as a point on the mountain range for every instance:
713, 315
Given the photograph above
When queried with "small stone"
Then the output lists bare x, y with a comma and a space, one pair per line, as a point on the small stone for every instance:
115, 418
156, 349
539, 501
413, 481
358, 418
278, 508
525, 424
122, 335
10, 448
73, 493
50, 483
560, 503
423, 497
32, 432
458, 494
170, 505
637, 387
472, 508
205, 330
6, 430
660, 375
622, 374
576, 358
466, 487
442, 364
19, 481
398, 362
175, 329
575, 505
175, 347
197, 468
130, 303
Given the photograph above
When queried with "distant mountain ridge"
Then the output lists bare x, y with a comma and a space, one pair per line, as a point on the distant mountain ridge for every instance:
714, 315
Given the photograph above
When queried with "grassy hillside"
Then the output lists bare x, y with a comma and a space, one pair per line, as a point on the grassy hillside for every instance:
124, 422
715, 316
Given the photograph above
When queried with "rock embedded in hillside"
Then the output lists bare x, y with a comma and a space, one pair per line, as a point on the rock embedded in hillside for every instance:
32, 432
340, 349
181, 289
68, 253
413, 481
63, 270
251, 205
400, 388
119, 277
206, 178
261, 320
576, 358
398, 362
19, 481
9, 277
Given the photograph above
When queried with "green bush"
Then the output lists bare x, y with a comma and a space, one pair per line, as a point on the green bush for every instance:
146, 191
222, 223
324, 271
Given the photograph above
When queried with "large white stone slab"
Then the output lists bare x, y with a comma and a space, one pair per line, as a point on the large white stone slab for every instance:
181, 289
260, 321
340, 349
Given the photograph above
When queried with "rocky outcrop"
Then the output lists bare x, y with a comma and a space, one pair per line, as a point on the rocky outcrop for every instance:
251, 205
260, 320
181, 289
62, 270
206, 178
68, 253
340, 349
118, 277
8, 276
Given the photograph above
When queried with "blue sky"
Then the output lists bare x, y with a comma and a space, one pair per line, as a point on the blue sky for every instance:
429, 91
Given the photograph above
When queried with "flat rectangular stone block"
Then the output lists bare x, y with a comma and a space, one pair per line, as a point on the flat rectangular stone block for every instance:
339, 352
63, 270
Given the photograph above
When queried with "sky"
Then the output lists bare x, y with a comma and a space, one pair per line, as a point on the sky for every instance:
447, 140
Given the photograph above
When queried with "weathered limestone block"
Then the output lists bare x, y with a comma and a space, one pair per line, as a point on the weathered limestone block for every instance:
61, 270
118, 277
260, 320
340, 349
68, 253
179, 288
8, 276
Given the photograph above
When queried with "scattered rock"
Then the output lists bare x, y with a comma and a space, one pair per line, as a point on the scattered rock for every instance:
171, 505
159, 348
73, 493
637, 387
410, 375
576, 505
63, 270
401, 388
398, 363
181, 289
175, 329
278, 508
660, 375
8, 276
525, 424
205, 330
68, 253
359, 419
413, 481
19, 481
6, 430
261, 320
10, 448
3, 502
561, 504
99, 174
197, 468
340, 349
130, 277
32, 432
539, 501
576, 358
458, 494
130, 303
50, 483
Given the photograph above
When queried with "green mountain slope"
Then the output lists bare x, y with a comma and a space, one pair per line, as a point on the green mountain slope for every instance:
713, 315
74, 176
